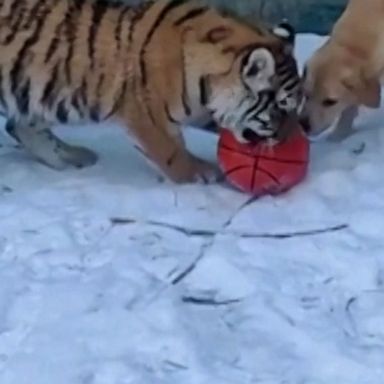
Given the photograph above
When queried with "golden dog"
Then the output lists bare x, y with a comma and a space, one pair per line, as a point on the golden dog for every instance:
346, 71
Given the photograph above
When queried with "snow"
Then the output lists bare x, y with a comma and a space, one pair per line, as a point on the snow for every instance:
110, 276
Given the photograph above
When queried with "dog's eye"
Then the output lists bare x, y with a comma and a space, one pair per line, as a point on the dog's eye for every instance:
329, 102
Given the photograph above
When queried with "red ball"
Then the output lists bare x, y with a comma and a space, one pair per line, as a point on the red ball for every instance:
261, 169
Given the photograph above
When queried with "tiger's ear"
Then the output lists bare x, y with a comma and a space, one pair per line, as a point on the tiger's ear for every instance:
258, 67
287, 34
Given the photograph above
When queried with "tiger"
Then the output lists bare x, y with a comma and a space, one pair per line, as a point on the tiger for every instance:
289, 93
152, 68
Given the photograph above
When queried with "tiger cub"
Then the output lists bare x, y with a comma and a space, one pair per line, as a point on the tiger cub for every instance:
151, 68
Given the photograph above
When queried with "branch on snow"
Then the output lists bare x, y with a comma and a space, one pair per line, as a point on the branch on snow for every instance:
243, 235
203, 301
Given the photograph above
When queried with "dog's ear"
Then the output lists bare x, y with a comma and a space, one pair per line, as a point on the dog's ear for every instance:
366, 91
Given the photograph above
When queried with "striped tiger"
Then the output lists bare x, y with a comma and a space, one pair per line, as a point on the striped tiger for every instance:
152, 68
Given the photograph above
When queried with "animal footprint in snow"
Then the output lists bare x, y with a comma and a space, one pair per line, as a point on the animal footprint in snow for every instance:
367, 316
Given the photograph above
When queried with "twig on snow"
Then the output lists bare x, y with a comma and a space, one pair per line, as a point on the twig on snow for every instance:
211, 234
187, 271
247, 203
175, 365
184, 231
208, 302
244, 235
122, 221
288, 235
359, 150
6, 189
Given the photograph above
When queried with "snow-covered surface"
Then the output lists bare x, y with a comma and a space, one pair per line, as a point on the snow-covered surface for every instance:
100, 285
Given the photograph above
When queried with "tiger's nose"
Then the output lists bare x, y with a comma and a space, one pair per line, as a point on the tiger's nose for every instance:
269, 93
250, 136
306, 124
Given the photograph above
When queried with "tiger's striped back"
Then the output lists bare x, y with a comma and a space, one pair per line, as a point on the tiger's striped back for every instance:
63, 59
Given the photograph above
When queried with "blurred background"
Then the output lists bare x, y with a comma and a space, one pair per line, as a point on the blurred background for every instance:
311, 16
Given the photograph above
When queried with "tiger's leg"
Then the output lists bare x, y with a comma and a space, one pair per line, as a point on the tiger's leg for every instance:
167, 150
40, 142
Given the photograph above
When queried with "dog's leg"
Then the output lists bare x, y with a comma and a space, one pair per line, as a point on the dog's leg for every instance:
38, 139
344, 127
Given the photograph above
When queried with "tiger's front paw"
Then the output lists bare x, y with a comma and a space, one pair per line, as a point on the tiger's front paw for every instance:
186, 168
205, 172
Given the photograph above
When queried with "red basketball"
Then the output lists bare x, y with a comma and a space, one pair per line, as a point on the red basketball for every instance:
261, 169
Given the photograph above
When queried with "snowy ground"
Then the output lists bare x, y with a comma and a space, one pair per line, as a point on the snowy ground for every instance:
99, 286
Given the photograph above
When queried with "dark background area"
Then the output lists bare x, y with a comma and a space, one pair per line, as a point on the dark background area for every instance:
316, 16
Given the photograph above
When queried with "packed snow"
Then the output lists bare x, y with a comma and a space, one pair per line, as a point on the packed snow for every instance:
110, 275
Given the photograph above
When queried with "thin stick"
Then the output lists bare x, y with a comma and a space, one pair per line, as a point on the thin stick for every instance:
243, 235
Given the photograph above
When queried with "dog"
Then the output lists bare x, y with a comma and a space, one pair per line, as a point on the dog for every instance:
346, 72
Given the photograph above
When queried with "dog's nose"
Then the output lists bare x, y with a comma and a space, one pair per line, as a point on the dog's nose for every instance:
305, 123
